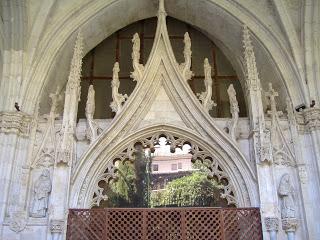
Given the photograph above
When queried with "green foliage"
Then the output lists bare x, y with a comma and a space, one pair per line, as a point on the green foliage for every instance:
192, 190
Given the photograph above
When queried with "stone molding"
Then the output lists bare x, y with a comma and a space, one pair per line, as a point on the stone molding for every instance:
15, 122
271, 223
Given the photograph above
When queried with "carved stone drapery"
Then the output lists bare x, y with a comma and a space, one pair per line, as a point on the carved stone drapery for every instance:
92, 125
234, 110
185, 67
138, 68
205, 97
198, 154
41, 190
287, 194
15, 122
118, 98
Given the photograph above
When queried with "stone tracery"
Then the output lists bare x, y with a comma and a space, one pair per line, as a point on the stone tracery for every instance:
198, 154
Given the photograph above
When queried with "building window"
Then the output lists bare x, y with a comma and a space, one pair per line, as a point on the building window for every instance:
179, 165
155, 167
174, 167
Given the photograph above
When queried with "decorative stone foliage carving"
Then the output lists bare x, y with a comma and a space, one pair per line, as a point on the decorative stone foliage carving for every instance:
118, 98
138, 68
287, 195
251, 71
15, 122
312, 118
271, 223
290, 224
92, 130
205, 97
186, 66
198, 154
18, 221
41, 191
234, 110
282, 149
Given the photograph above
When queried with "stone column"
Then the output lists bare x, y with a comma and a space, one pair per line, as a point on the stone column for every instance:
272, 226
66, 149
260, 136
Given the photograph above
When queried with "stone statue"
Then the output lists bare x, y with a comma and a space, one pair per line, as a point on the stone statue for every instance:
185, 67
41, 190
92, 126
137, 67
205, 97
286, 193
234, 110
118, 98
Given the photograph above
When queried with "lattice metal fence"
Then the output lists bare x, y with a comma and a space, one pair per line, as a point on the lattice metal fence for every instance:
164, 224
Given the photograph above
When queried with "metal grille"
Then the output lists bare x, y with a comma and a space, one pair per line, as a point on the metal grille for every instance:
164, 224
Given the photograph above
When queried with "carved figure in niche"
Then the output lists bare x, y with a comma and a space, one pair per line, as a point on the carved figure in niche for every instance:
234, 110
118, 98
41, 190
92, 126
205, 97
185, 67
286, 193
137, 67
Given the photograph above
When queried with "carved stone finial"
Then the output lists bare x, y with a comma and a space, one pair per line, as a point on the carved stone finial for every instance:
118, 98
271, 95
234, 110
92, 126
252, 76
205, 97
186, 66
138, 68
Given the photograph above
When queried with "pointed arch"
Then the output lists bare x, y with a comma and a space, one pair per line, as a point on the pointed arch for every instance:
239, 173
56, 41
